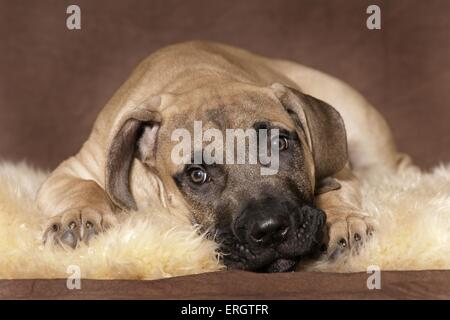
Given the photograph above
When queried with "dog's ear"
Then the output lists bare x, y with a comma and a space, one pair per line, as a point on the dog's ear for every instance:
326, 185
135, 138
323, 127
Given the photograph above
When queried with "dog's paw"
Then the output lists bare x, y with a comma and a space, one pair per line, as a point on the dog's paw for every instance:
75, 226
347, 232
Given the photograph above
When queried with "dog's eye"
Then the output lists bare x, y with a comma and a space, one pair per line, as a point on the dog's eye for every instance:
280, 142
198, 175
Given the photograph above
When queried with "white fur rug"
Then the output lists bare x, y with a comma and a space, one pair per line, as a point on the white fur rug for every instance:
412, 210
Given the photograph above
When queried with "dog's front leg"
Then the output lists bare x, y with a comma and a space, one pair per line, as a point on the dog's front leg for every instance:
76, 209
348, 227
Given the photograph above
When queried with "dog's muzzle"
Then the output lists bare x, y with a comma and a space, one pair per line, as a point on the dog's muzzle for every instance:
271, 236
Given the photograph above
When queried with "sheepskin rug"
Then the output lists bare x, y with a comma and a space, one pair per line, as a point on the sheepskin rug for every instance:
412, 210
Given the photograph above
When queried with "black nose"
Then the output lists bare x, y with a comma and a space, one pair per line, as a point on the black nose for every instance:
269, 230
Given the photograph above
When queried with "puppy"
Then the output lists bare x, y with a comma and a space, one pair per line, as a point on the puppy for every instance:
326, 132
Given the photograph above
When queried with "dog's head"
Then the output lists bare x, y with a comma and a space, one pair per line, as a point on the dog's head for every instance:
262, 221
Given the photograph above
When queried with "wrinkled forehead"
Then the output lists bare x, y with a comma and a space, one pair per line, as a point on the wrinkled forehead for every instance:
229, 108
193, 115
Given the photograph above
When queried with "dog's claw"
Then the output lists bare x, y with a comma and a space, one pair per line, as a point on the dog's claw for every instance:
72, 225
55, 227
343, 243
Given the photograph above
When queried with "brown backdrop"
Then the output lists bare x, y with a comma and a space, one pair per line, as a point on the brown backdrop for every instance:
53, 81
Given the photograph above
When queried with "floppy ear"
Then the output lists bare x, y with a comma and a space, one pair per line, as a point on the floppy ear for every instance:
136, 138
326, 185
323, 127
